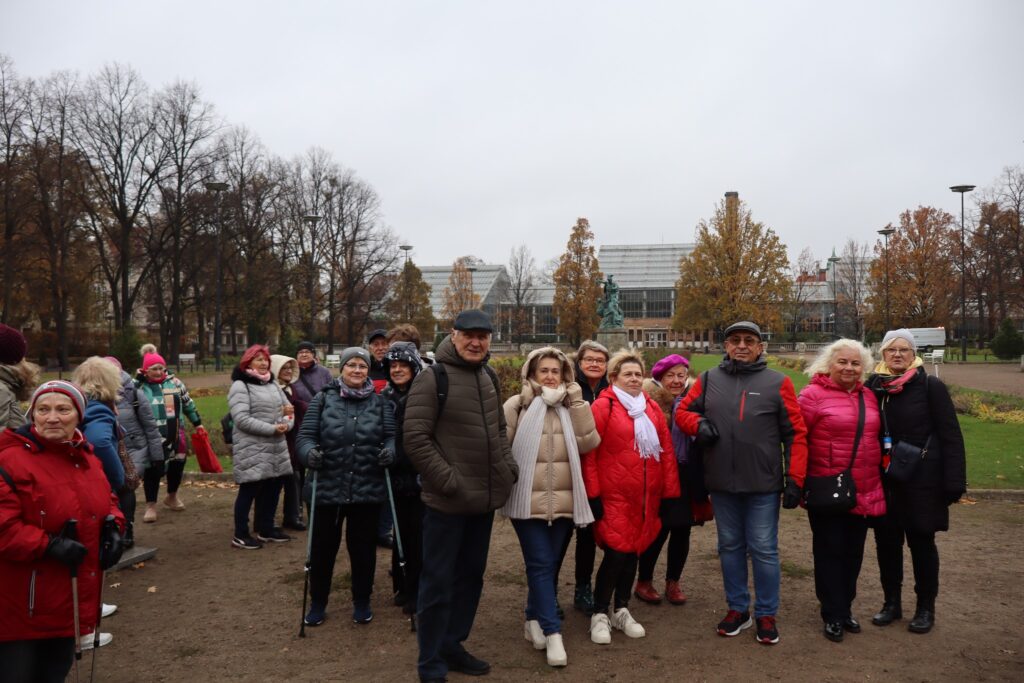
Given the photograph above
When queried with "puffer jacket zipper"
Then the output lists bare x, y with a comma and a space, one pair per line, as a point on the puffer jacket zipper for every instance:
32, 593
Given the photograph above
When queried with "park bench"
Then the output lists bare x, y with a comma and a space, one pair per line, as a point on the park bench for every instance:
936, 357
332, 360
187, 359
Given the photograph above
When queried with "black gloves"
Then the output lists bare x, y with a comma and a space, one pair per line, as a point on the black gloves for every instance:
385, 457
314, 458
707, 432
953, 496
597, 507
111, 544
65, 550
791, 495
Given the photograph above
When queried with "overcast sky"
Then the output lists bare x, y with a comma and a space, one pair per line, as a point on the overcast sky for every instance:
484, 125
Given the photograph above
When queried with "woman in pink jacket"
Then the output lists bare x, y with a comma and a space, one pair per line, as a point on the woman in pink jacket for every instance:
831, 406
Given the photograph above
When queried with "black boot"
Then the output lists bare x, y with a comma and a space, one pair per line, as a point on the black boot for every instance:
891, 610
924, 617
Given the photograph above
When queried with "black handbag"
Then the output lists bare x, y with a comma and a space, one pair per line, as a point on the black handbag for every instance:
903, 460
836, 493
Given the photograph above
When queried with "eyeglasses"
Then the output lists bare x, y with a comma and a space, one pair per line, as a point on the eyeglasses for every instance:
357, 366
748, 341
593, 361
899, 351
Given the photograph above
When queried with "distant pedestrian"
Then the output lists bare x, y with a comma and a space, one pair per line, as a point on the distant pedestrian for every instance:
312, 375
377, 345
18, 377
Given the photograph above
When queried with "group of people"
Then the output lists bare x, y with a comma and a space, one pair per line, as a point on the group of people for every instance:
596, 448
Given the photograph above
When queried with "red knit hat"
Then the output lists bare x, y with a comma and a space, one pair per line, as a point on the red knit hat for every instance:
251, 353
151, 359
12, 345
57, 386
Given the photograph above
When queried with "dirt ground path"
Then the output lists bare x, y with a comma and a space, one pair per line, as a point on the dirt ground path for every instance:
1002, 378
205, 611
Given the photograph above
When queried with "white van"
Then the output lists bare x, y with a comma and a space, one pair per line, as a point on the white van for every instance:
929, 338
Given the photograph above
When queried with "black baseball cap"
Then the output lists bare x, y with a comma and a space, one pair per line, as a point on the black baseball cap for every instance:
473, 319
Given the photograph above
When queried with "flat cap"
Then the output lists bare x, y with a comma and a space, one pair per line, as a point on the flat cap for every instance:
473, 319
744, 326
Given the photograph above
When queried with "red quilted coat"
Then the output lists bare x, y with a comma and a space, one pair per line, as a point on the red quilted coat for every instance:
52, 483
630, 487
830, 413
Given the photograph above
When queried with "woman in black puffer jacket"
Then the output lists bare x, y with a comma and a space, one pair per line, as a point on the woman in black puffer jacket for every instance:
347, 438
915, 409
403, 363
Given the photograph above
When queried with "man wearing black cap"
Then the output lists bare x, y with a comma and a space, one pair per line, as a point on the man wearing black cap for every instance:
467, 471
312, 376
377, 345
754, 442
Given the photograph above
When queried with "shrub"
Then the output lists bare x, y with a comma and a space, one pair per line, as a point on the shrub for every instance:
125, 348
1008, 343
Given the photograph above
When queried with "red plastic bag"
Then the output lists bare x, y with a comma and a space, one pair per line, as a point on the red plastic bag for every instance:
702, 511
205, 456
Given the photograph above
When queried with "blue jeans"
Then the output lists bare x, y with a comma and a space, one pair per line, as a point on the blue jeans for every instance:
454, 559
748, 523
542, 548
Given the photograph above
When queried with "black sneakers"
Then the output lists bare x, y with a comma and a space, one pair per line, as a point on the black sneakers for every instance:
246, 543
275, 536
767, 633
467, 664
733, 623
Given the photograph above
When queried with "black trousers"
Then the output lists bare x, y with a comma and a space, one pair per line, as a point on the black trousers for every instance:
455, 551
47, 660
889, 536
175, 470
360, 521
838, 546
409, 525
126, 501
292, 498
615, 575
265, 494
586, 551
678, 550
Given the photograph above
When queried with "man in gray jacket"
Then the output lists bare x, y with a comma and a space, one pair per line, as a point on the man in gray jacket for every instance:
459, 447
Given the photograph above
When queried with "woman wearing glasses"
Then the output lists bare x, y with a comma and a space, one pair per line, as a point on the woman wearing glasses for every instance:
347, 438
918, 417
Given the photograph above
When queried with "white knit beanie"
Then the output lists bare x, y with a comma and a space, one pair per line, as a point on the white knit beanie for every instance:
893, 335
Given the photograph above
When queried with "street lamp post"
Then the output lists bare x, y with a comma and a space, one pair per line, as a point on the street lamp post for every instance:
217, 188
963, 189
885, 232
833, 260
472, 293
312, 220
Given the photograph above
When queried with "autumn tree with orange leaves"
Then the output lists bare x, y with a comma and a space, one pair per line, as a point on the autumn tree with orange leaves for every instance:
578, 285
459, 294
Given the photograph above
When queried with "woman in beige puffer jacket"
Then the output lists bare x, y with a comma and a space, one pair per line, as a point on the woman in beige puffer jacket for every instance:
550, 426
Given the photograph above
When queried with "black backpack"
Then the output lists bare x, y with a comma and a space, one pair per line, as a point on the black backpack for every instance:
441, 377
227, 423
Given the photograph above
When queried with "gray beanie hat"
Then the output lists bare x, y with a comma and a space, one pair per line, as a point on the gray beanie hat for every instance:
902, 333
355, 352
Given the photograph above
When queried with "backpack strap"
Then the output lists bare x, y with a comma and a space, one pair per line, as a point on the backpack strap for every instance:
441, 377
7, 478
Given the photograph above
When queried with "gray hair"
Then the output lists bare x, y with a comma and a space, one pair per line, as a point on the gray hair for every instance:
823, 362
591, 345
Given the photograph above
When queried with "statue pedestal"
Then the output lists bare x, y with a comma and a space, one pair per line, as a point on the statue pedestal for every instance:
613, 338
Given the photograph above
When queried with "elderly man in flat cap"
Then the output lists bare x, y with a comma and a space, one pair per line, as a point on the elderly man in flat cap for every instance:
749, 427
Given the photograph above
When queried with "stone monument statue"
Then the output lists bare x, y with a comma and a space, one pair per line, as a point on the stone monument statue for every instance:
609, 308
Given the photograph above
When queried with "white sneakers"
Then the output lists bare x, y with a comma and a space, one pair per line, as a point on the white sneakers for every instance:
600, 629
534, 634
556, 650
86, 641
625, 622
108, 610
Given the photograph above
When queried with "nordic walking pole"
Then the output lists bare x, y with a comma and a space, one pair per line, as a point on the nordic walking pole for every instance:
398, 541
71, 531
309, 555
99, 605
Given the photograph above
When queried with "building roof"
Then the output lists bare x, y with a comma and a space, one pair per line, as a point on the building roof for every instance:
488, 283
643, 266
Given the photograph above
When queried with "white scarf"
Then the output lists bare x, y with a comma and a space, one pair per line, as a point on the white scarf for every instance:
526, 448
645, 434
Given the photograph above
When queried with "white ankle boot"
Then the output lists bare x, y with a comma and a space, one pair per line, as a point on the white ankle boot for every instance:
600, 629
556, 650
535, 634
625, 622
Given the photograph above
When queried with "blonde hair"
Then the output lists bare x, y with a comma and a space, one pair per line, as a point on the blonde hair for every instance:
28, 373
620, 358
823, 362
99, 379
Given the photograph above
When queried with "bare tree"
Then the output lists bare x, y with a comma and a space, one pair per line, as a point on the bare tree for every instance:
853, 285
522, 291
13, 112
804, 272
116, 130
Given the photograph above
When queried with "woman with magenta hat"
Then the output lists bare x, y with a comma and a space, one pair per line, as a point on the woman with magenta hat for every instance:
670, 380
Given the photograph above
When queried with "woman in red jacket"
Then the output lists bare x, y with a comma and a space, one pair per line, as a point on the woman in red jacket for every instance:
831, 406
627, 477
48, 476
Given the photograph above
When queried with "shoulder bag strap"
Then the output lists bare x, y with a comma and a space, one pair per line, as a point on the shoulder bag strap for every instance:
860, 428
